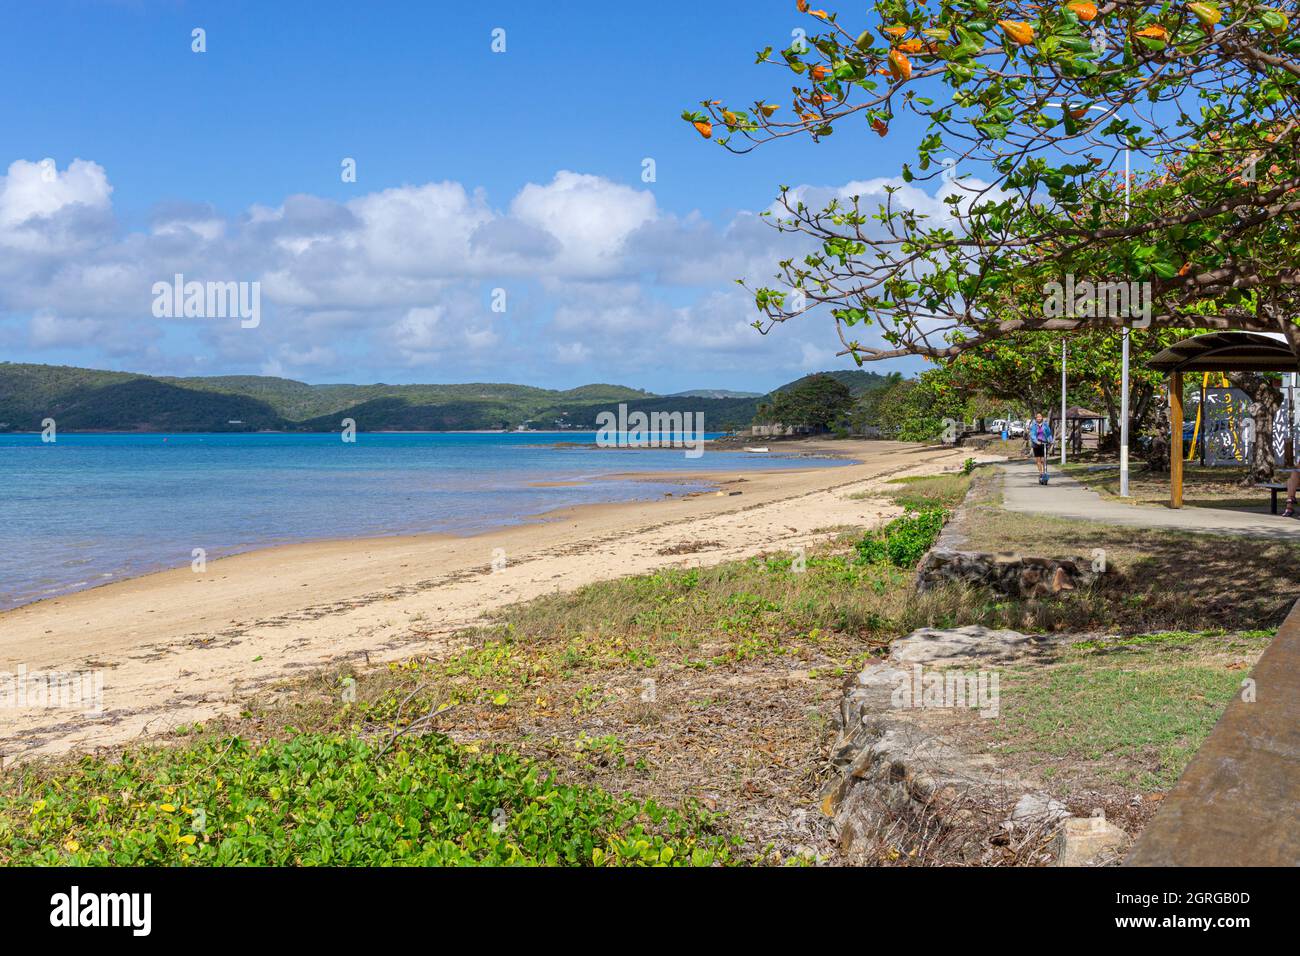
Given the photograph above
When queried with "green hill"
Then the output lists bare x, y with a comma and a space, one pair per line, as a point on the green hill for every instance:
857, 380
81, 399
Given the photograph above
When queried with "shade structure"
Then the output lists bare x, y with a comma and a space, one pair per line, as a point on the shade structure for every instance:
1214, 352
1077, 414
1228, 352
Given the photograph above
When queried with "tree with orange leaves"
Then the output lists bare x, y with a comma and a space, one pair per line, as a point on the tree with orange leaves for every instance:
1033, 106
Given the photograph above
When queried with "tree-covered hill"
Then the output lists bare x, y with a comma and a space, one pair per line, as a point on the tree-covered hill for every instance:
82, 399
855, 379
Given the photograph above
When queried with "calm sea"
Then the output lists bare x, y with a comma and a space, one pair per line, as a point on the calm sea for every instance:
88, 509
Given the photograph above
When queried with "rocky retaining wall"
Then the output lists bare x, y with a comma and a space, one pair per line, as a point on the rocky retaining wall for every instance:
1012, 575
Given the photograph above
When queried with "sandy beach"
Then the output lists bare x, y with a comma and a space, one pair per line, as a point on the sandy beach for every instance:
181, 646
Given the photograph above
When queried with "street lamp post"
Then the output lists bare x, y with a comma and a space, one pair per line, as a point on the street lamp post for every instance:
1062, 435
1123, 386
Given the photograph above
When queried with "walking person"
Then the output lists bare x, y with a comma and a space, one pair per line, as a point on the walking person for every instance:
1292, 485
1040, 439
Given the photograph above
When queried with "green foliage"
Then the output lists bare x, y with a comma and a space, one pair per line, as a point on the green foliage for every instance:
334, 801
905, 540
817, 401
1022, 119
916, 409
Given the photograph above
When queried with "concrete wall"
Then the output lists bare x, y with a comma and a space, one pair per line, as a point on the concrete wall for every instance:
1238, 801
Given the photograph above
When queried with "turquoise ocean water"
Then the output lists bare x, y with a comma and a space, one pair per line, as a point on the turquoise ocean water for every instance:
93, 508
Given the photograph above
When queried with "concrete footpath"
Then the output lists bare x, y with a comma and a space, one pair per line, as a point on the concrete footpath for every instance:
1066, 498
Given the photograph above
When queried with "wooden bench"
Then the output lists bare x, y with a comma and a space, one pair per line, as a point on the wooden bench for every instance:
1274, 487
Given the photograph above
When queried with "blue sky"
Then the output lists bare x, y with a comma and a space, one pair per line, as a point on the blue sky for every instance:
226, 164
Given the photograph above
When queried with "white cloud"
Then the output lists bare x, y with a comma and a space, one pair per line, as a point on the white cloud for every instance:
51, 331
44, 210
591, 218
601, 282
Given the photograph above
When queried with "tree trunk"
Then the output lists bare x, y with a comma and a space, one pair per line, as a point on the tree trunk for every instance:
1110, 442
1158, 451
1265, 402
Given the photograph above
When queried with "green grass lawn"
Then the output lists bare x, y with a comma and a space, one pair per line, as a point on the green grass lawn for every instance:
1136, 708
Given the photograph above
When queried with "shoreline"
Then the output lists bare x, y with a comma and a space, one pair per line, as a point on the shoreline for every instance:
705, 481
177, 646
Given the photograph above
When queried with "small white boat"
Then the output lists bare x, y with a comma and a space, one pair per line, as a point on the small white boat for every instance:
757, 451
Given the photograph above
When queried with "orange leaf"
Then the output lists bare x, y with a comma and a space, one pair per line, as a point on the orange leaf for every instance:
1084, 10
1153, 32
705, 129
880, 126
1021, 34
910, 46
897, 30
899, 65
819, 72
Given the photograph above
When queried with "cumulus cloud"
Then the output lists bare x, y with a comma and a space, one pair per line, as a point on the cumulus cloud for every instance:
601, 281
43, 210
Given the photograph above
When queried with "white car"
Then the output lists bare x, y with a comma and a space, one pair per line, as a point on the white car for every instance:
1016, 430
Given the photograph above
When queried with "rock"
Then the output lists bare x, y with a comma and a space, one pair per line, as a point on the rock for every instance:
1038, 810
973, 642
1008, 574
1088, 841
